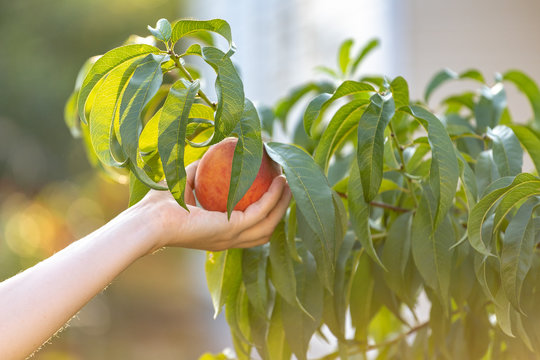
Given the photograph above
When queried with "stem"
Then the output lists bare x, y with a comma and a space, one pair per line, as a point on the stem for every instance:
364, 349
389, 207
184, 71
475, 136
379, 204
403, 169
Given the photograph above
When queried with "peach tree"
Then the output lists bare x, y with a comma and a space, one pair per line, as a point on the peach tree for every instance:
393, 203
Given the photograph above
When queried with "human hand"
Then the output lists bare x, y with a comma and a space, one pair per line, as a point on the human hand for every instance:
211, 230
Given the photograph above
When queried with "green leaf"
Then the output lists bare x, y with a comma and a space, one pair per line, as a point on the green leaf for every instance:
162, 31
299, 327
137, 190
281, 265
336, 304
372, 44
480, 211
444, 169
193, 49
362, 306
457, 101
489, 109
209, 356
432, 247
503, 310
518, 252
230, 93
71, 111
104, 65
472, 74
342, 222
445, 75
370, 150
278, 349
327, 71
254, 261
237, 316
486, 269
486, 170
342, 124
189, 27
512, 197
223, 275
313, 110
104, 110
468, 180
396, 253
528, 87
267, 117
507, 152
400, 91
259, 328
284, 106
71, 116
359, 213
317, 106
310, 190
344, 55
172, 135
291, 233
142, 86
319, 249
530, 140
248, 155
438, 79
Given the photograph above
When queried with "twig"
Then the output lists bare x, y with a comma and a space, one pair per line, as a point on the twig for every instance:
389, 207
201, 94
379, 204
360, 348
403, 169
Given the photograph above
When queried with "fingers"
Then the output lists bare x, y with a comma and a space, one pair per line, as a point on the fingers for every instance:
266, 227
260, 209
191, 169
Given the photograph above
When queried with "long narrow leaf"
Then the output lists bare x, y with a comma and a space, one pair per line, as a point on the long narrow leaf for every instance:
444, 169
106, 63
370, 152
142, 86
342, 124
188, 27
172, 135
248, 155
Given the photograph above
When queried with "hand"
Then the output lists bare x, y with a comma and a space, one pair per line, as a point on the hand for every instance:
211, 230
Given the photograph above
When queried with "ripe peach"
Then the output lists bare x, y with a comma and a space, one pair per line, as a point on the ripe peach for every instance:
213, 177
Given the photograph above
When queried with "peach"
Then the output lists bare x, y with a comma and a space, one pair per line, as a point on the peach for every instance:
213, 177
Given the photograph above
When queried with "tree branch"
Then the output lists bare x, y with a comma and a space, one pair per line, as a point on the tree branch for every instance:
379, 204
362, 348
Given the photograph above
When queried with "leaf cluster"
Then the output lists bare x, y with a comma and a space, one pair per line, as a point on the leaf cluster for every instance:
393, 201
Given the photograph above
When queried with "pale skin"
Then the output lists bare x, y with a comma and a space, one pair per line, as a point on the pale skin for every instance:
37, 302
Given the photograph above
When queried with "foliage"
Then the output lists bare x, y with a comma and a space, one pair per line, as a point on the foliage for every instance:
391, 201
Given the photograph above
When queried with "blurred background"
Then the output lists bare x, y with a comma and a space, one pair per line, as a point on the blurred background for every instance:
50, 196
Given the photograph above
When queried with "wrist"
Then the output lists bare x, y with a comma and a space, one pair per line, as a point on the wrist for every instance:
143, 225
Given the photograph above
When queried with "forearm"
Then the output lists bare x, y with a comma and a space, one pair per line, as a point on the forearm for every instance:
37, 302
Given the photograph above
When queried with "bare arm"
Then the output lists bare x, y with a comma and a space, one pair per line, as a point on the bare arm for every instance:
37, 302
